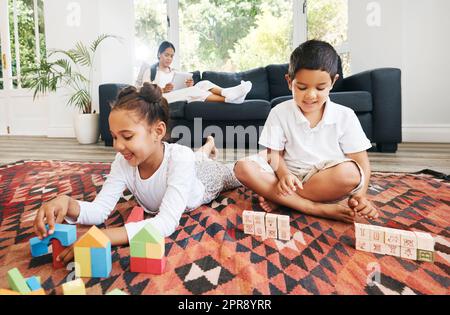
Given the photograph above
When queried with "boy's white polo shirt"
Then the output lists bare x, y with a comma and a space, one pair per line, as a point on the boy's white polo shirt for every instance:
338, 133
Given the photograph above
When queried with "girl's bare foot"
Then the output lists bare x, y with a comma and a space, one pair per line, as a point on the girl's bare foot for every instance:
209, 148
336, 212
266, 205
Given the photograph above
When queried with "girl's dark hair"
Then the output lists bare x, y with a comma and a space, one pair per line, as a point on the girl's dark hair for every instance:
314, 55
147, 102
164, 45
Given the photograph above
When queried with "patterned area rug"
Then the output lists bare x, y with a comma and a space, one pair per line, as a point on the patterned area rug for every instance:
210, 254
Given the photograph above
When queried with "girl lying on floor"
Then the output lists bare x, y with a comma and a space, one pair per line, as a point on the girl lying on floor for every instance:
165, 179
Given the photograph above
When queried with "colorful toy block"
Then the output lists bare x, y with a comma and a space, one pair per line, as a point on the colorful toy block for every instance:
248, 221
66, 234
271, 225
136, 215
147, 250
75, 287
393, 242
8, 292
116, 292
34, 283
93, 254
17, 282
57, 248
147, 265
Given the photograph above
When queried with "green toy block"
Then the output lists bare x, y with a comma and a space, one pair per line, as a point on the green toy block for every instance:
148, 234
137, 249
116, 292
17, 282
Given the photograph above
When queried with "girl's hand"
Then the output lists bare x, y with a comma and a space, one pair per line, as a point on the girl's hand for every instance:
168, 88
50, 212
288, 184
189, 82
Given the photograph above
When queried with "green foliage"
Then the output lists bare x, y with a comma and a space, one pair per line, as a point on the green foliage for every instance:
67, 71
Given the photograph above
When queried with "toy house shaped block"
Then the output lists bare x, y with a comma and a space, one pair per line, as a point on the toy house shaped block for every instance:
66, 234
93, 254
147, 251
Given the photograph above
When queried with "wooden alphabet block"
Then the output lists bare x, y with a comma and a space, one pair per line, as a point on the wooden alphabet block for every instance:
425, 255
377, 234
284, 234
271, 233
249, 229
271, 221
425, 241
408, 239
377, 247
260, 230
283, 222
408, 253
363, 245
362, 231
259, 218
392, 250
247, 217
392, 236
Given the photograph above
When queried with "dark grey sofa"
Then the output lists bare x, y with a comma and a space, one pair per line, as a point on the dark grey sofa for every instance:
374, 95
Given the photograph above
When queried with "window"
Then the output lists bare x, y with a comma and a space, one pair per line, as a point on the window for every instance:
234, 35
22, 39
151, 29
230, 35
328, 21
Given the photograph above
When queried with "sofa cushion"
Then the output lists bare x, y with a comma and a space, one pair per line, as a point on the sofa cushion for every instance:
249, 110
359, 101
277, 82
176, 109
258, 77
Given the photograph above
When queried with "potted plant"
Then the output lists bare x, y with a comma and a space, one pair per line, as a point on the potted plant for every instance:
72, 69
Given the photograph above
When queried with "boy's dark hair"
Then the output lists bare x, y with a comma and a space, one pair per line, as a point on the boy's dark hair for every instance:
164, 45
314, 55
147, 102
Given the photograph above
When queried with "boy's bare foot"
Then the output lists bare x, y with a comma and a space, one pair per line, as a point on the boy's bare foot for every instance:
266, 205
335, 212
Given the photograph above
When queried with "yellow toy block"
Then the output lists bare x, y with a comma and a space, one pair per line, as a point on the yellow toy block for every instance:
8, 292
82, 262
155, 251
37, 292
75, 287
94, 238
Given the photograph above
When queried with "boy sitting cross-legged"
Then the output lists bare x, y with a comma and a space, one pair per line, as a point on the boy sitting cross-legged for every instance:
316, 149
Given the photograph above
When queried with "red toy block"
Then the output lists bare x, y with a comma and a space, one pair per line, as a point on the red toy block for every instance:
57, 248
147, 265
136, 215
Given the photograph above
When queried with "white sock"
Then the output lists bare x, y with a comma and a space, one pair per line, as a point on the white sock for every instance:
237, 92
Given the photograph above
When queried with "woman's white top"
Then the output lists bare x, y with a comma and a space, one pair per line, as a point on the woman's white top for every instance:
172, 189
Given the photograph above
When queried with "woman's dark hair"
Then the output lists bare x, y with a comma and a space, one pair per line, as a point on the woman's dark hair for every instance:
164, 45
147, 102
314, 55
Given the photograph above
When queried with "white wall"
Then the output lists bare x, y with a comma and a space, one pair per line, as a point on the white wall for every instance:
412, 35
67, 22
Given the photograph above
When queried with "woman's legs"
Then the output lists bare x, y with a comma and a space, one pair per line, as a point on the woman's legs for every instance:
234, 94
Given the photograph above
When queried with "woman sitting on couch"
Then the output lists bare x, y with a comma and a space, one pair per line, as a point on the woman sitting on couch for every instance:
162, 74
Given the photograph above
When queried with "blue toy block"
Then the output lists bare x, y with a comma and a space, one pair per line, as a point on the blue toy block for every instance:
101, 262
66, 234
33, 283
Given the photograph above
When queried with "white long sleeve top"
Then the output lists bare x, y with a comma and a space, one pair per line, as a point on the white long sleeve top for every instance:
172, 189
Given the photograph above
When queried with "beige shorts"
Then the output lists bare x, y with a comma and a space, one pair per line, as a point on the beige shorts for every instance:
305, 174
